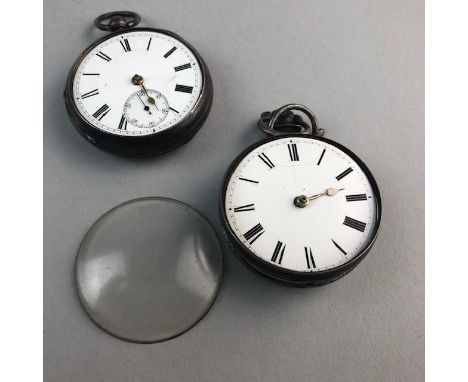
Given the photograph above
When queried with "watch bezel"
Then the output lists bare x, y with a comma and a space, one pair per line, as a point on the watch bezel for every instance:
298, 278
149, 144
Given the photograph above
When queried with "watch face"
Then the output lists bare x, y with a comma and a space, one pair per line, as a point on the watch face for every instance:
106, 96
301, 204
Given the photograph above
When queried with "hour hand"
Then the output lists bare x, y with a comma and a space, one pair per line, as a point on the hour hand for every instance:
333, 191
303, 200
328, 192
152, 101
138, 80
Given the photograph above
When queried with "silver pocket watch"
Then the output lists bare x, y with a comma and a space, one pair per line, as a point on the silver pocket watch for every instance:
138, 92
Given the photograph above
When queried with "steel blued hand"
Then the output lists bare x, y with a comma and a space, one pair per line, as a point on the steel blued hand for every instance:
138, 80
145, 106
303, 200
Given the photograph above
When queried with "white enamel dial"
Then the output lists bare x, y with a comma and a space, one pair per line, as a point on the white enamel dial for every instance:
107, 98
330, 230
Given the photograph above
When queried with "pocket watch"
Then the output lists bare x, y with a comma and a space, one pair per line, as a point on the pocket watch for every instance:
297, 207
138, 91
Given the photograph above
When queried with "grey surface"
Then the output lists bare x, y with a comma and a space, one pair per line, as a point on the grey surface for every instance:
149, 269
359, 66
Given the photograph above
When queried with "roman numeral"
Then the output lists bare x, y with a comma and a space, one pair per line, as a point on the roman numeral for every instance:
90, 94
266, 160
125, 45
170, 52
337, 246
123, 123
101, 112
309, 258
353, 223
91, 74
249, 180
293, 155
356, 197
174, 110
254, 233
182, 67
344, 173
149, 43
183, 88
104, 56
321, 157
278, 252
247, 207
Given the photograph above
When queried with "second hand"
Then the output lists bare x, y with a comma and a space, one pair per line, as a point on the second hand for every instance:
146, 107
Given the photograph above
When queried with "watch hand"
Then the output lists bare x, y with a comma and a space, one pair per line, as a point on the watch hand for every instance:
138, 80
303, 200
328, 192
333, 191
145, 106
151, 100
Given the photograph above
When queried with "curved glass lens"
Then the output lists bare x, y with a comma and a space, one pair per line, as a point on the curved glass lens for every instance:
149, 269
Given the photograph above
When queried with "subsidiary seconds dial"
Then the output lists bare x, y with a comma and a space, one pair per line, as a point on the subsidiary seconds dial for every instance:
139, 92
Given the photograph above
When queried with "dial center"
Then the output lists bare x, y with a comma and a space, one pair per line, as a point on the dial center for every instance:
301, 201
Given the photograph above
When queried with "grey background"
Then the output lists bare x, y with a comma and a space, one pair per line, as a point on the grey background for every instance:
359, 66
